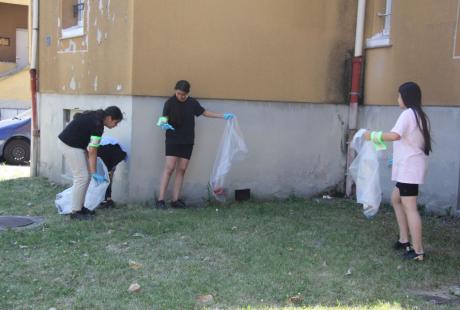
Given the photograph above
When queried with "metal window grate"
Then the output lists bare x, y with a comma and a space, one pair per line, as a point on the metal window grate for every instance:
78, 8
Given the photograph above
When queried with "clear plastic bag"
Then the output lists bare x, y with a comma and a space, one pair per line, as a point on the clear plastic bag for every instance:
232, 149
94, 195
365, 172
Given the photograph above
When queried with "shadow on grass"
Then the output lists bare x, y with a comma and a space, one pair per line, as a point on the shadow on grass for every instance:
257, 255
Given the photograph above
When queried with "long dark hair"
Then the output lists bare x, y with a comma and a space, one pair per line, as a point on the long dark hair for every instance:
412, 97
175, 117
112, 111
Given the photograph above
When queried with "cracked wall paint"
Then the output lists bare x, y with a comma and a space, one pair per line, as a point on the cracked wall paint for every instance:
72, 84
70, 73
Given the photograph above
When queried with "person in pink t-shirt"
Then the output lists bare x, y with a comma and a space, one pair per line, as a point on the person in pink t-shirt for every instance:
411, 147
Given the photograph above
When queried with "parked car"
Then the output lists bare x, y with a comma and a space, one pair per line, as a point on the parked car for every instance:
15, 139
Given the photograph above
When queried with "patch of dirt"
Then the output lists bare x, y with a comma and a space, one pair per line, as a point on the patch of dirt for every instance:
441, 296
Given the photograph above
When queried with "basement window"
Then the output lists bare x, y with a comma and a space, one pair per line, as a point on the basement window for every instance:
72, 17
382, 38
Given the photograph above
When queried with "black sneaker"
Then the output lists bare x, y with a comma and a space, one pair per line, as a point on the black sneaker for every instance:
87, 211
107, 204
178, 204
401, 246
411, 255
79, 215
160, 204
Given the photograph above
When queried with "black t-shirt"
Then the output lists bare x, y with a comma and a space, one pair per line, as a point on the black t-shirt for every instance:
79, 131
184, 122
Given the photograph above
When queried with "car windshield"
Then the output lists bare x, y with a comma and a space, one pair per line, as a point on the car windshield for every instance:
24, 115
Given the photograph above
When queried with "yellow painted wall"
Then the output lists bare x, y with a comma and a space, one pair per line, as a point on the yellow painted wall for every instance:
16, 86
19, 2
11, 17
6, 66
252, 50
99, 62
258, 50
423, 39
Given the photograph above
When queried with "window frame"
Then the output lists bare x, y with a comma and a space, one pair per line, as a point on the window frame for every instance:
78, 29
383, 37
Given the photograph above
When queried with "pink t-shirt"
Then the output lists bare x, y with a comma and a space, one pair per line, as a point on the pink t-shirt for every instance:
409, 160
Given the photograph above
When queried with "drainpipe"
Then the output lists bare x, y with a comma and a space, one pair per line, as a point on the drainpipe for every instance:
33, 89
357, 67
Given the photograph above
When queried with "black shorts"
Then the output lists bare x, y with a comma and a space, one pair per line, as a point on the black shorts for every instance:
406, 189
179, 150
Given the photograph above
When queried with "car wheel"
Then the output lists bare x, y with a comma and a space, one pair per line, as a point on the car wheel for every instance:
17, 152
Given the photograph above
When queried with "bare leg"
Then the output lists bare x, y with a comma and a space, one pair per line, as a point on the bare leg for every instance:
400, 216
181, 167
167, 172
415, 222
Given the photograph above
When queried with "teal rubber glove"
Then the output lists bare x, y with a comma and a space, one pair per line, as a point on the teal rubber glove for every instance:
167, 126
98, 178
229, 116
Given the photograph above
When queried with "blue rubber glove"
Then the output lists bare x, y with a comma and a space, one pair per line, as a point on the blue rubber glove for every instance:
167, 126
229, 116
390, 162
98, 178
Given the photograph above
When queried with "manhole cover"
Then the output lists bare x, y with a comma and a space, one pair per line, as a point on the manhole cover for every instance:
16, 221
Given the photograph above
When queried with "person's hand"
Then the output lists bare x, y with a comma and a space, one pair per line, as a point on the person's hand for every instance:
367, 135
167, 126
390, 162
98, 178
229, 116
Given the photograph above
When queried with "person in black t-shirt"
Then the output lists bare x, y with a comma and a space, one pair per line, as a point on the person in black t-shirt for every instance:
178, 121
79, 142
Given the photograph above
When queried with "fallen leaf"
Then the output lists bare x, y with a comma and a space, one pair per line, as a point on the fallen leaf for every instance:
139, 235
297, 299
134, 288
205, 299
134, 265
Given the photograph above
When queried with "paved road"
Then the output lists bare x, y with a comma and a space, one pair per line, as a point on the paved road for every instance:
13, 172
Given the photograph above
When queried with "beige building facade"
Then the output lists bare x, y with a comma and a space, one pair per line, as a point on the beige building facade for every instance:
283, 67
12, 18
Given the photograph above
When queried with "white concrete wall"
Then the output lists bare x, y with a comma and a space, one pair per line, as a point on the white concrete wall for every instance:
51, 120
441, 192
294, 149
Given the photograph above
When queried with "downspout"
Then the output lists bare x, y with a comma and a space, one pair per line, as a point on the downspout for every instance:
33, 89
357, 67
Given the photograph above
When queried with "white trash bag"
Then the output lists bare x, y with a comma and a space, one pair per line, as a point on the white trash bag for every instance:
232, 149
94, 195
365, 172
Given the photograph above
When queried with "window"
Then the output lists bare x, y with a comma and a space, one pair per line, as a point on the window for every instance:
382, 37
72, 17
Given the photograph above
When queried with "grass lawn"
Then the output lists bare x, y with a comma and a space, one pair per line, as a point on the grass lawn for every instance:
257, 255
